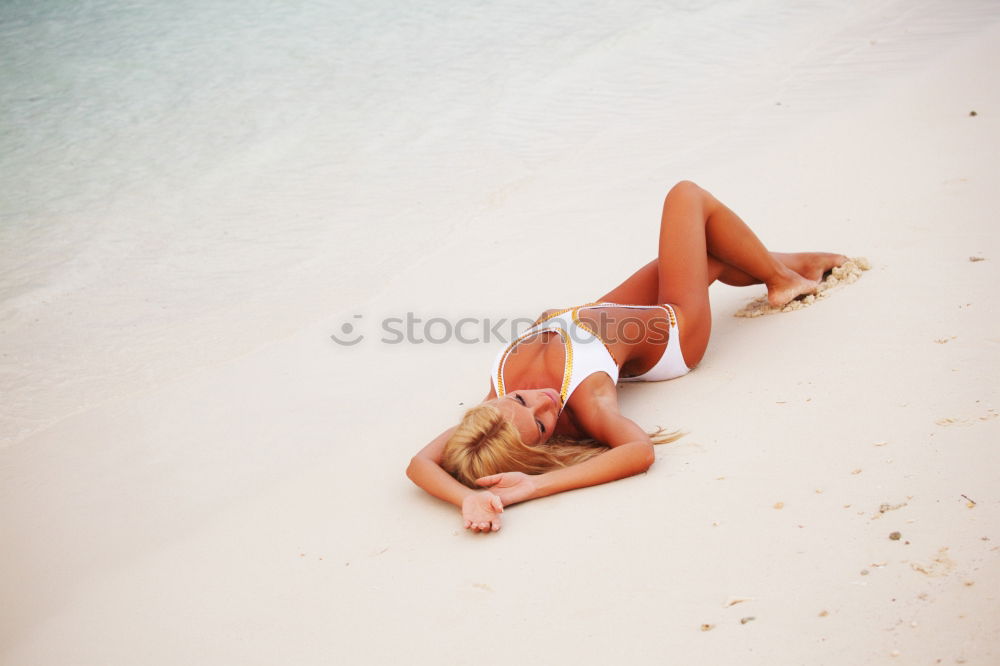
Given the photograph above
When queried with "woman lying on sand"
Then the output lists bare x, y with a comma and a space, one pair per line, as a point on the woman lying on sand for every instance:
551, 421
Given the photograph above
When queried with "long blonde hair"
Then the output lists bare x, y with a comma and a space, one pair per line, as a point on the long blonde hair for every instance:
487, 443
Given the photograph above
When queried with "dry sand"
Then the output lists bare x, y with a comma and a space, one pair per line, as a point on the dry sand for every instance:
836, 500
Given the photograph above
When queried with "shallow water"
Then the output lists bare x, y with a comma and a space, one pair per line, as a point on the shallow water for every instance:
185, 182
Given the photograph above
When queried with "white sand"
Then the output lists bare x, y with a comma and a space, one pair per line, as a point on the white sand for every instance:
225, 485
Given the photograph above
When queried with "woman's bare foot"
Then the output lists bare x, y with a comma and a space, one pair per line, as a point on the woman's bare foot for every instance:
786, 287
811, 265
789, 286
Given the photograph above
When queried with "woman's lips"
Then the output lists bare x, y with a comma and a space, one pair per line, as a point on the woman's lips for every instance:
553, 396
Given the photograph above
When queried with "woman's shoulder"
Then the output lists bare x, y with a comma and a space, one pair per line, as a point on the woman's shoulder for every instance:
597, 392
593, 403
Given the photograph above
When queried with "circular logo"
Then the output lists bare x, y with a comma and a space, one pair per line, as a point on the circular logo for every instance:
347, 335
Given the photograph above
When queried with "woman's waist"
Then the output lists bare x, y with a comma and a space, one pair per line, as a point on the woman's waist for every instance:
585, 345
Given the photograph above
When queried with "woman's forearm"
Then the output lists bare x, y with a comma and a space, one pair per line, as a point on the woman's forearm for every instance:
618, 463
428, 475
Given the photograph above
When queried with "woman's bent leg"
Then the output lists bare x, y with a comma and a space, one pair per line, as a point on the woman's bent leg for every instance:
694, 229
702, 241
683, 274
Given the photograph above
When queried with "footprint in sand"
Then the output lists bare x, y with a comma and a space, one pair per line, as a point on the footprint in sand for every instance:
940, 564
972, 420
847, 273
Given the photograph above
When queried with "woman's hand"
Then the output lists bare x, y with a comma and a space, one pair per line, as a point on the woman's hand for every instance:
481, 511
510, 487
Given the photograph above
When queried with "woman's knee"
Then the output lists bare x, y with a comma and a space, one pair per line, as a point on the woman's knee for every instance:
685, 189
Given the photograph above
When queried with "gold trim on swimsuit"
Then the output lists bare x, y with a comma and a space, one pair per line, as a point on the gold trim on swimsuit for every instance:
567, 362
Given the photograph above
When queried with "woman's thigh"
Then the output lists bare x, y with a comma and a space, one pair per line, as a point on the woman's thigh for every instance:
685, 269
641, 288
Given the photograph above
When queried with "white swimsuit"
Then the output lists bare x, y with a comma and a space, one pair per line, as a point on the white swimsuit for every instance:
586, 353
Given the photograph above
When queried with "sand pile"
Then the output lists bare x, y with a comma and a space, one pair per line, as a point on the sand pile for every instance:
848, 273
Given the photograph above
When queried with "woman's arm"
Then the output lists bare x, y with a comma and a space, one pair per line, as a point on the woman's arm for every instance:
480, 509
625, 459
425, 471
631, 453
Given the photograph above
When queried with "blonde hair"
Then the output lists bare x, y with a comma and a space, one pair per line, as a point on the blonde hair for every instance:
487, 443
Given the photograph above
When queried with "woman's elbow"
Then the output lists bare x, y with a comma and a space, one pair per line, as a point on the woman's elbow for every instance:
646, 458
411, 469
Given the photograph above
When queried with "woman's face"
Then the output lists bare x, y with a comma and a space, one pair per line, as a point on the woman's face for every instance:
532, 412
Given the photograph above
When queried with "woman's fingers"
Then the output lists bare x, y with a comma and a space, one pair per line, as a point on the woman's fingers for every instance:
488, 480
481, 512
486, 526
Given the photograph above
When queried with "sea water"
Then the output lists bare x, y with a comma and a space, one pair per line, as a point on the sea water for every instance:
185, 182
